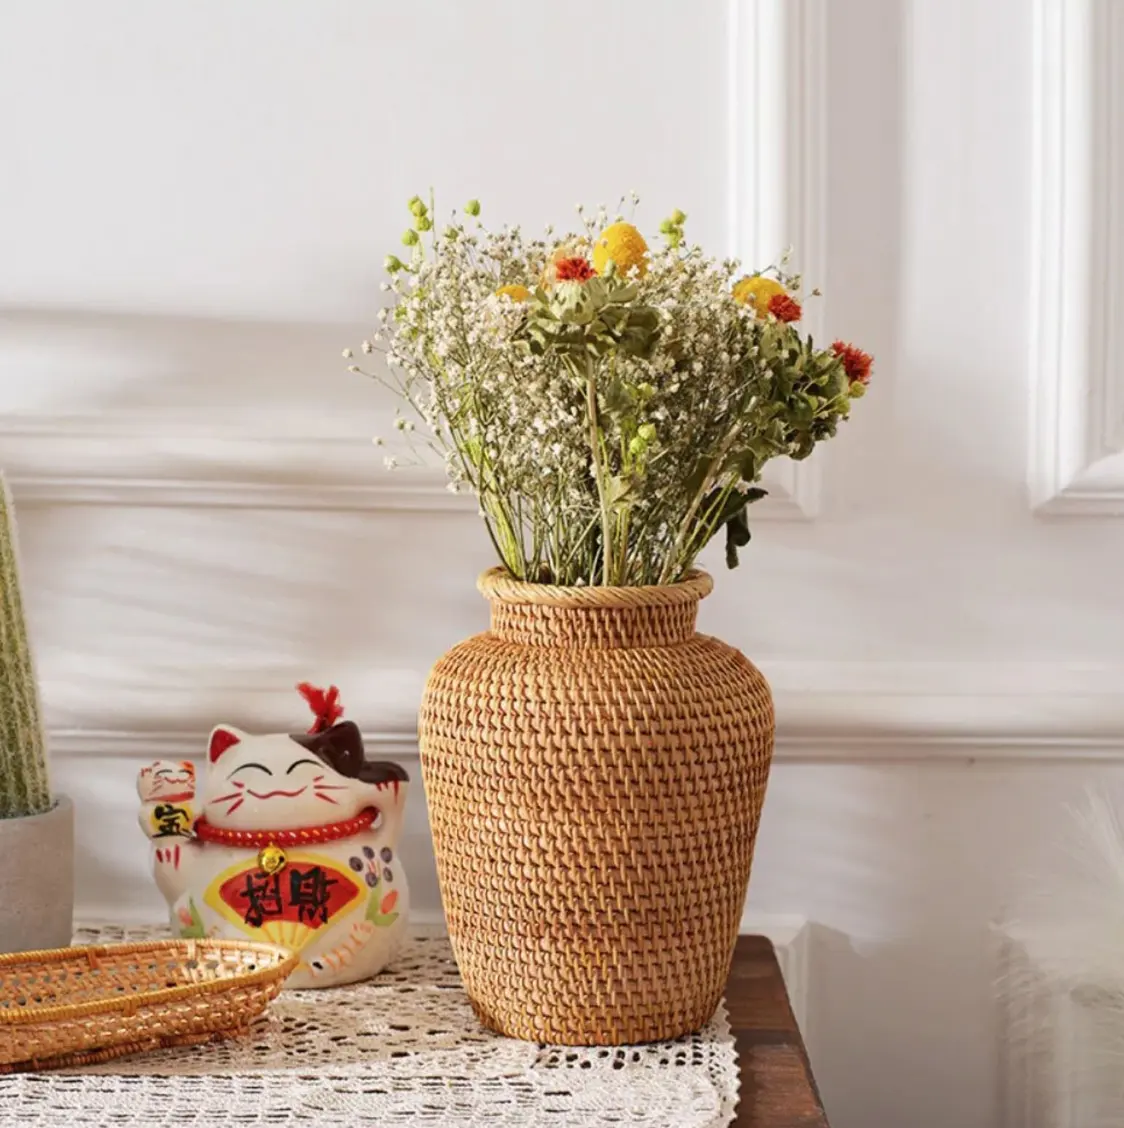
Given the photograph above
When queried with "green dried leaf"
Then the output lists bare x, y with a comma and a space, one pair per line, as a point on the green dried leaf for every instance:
616, 397
617, 491
737, 535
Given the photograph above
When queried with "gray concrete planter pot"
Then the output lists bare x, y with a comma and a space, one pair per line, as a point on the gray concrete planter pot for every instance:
37, 879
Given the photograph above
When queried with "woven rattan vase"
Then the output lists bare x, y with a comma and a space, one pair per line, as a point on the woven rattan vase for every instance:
595, 772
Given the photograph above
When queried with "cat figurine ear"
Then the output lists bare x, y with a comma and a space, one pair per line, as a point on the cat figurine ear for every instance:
222, 738
340, 747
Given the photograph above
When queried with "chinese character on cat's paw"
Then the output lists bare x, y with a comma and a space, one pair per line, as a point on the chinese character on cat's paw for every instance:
167, 795
293, 841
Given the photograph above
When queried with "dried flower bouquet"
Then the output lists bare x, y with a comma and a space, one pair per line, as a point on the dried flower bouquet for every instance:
612, 406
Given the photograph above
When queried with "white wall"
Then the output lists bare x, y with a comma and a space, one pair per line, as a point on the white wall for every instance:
194, 204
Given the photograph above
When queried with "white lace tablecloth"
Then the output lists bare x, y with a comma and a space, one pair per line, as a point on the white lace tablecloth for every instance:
401, 1048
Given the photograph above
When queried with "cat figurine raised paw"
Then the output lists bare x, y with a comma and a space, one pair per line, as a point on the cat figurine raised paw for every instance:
167, 793
290, 839
167, 811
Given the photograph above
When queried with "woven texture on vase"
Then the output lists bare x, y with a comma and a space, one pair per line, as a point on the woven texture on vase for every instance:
595, 772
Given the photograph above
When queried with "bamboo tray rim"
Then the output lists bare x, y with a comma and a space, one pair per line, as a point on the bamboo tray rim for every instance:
284, 962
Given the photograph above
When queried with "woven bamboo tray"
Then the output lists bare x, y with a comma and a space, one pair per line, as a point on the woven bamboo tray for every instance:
77, 1006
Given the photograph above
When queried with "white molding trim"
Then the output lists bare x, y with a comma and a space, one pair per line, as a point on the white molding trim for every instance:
145, 461
778, 162
847, 713
170, 744
1076, 461
908, 747
406, 492
140, 462
880, 712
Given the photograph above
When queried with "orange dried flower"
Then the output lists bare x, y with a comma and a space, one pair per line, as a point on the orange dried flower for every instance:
856, 363
784, 308
575, 269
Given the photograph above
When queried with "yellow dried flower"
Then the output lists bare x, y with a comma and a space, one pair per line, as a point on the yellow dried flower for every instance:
515, 292
758, 291
624, 245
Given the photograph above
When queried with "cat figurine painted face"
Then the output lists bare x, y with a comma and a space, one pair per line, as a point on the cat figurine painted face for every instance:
166, 781
286, 782
293, 841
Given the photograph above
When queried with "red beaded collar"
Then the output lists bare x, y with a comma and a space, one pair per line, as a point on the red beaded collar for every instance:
302, 837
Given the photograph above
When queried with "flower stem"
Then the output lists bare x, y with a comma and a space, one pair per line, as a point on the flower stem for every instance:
672, 565
599, 474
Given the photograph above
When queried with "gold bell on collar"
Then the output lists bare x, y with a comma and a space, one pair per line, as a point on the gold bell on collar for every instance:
271, 859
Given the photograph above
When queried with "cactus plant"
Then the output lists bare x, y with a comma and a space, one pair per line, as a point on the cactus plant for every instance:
24, 783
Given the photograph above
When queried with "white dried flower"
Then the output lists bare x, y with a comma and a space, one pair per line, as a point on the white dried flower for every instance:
500, 316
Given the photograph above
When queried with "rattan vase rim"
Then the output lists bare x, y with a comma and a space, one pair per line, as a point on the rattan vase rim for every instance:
500, 586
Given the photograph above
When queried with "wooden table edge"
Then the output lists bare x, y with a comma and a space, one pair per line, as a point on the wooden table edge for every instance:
773, 1066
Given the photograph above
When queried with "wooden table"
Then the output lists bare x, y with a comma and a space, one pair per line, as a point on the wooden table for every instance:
777, 1086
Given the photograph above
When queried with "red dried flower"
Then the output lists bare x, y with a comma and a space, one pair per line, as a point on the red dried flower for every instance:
574, 269
856, 363
784, 308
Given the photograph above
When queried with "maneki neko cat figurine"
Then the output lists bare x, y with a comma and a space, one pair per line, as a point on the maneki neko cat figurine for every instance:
291, 839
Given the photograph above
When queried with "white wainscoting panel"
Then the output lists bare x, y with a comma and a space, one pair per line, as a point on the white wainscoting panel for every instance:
1060, 1047
1077, 418
288, 451
778, 165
